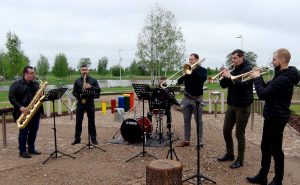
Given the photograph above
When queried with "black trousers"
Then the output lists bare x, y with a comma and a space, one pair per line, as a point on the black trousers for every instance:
89, 108
271, 145
28, 134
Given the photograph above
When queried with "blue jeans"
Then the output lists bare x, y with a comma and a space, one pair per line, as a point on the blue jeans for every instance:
28, 134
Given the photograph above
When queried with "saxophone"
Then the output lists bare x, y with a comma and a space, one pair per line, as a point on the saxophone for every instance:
83, 101
33, 106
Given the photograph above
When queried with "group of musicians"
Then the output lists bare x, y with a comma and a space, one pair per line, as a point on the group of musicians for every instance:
277, 95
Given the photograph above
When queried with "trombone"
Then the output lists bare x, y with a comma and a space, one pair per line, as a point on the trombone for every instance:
247, 76
211, 79
187, 69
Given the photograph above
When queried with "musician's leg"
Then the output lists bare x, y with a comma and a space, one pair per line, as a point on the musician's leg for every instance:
79, 118
90, 109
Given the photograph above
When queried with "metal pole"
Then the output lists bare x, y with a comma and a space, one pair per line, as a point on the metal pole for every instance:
120, 63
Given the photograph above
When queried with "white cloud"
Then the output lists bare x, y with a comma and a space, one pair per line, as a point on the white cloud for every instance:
98, 28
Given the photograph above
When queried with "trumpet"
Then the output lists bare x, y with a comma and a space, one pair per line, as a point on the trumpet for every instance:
211, 79
186, 69
247, 76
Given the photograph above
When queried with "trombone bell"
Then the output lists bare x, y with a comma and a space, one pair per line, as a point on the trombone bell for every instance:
187, 69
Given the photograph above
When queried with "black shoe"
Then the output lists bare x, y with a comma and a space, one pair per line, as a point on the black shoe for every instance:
75, 142
236, 164
274, 183
95, 142
25, 155
226, 157
257, 180
35, 152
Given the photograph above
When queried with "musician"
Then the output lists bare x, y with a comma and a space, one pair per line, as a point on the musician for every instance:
21, 93
277, 95
85, 105
239, 100
193, 90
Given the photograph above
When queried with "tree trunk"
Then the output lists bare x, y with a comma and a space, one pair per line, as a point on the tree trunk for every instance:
164, 172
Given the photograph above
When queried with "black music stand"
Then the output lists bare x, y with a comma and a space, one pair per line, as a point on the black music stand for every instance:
167, 98
90, 93
143, 92
53, 95
198, 175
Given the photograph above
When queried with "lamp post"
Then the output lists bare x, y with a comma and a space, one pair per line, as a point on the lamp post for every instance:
240, 37
120, 59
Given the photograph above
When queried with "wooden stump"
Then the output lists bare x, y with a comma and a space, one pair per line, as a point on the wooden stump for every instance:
164, 172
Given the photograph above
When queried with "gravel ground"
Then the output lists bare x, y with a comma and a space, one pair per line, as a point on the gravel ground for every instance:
93, 166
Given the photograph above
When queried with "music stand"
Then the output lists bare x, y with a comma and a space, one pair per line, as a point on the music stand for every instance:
167, 98
90, 93
198, 175
53, 95
143, 92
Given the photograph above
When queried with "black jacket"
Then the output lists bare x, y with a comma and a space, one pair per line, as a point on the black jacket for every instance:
77, 88
239, 93
21, 93
194, 82
278, 93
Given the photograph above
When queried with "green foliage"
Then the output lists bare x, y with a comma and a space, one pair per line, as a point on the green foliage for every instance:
14, 60
42, 67
102, 65
115, 70
60, 67
160, 44
84, 61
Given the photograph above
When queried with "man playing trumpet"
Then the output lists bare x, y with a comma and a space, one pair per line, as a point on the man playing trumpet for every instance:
239, 100
277, 95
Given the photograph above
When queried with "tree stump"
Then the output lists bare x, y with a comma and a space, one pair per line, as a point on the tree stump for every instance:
164, 172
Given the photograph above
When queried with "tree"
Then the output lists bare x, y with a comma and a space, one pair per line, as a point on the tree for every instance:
60, 67
160, 45
251, 57
14, 60
42, 66
102, 65
2, 67
84, 61
133, 68
115, 70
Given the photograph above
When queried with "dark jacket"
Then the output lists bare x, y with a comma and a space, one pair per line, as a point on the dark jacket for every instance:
193, 83
239, 93
21, 93
278, 93
77, 88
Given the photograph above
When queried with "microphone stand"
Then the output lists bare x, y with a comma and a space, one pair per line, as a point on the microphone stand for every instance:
198, 174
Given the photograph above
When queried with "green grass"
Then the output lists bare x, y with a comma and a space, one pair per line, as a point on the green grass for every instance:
210, 87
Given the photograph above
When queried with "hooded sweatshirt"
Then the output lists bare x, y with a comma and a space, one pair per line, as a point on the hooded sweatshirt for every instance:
278, 93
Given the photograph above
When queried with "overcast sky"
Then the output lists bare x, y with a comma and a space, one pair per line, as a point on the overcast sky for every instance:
97, 28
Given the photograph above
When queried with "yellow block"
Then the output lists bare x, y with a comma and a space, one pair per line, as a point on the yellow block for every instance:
103, 107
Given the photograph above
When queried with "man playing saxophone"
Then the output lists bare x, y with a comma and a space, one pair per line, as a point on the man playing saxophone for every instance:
85, 105
21, 93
